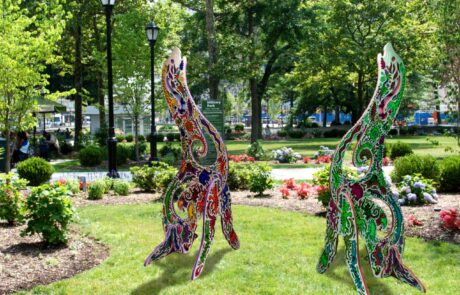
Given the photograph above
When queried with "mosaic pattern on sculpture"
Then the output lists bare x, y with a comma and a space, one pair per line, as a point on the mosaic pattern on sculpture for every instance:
353, 210
198, 191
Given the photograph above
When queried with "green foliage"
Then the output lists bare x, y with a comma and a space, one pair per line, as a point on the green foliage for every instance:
129, 138
11, 199
154, 178
108, 182
49, 212
295, 133
282, 133
449, 180
170, 136
73, 185
239, 127
36, 170
333, 133
426, 166
97, 189
124, 152
121, 187
239, 176
260, 178
321, 180
141, 138
120, 138
400, 149
256, 150
91, 156
170, 153
100, 137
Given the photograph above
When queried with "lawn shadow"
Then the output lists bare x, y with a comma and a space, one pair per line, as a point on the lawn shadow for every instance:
33, 248
375, 285
177, 269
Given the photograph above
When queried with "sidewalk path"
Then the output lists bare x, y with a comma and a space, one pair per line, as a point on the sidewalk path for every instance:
278, 174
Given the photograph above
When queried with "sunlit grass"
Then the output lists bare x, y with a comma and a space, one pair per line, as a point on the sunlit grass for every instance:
278, 255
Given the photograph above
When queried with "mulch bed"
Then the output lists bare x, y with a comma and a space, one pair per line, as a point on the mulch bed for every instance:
428, 214
26, 262
136, 196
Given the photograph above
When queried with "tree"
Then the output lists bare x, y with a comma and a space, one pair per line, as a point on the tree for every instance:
28, 39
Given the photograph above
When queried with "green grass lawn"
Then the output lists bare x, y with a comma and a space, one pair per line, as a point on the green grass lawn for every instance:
278, 255
308, 147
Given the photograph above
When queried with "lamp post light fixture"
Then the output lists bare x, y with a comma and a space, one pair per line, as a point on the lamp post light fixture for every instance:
152, 33
111, 141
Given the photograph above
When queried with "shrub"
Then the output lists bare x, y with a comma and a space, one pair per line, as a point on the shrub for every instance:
324, 151
141, 138
124, 153
295, 133
239, 127
416, 190
260, 178
91, 156
120, 138
72, 185
66, 148
426, 166
170, 149
400, 149
129, 138
256, 150
314, 125
153, 178
108, 182
160, 137
36, 170
121, 187
282, 133
286, 155
170, 137
166, 128
449, 180
49, 212
100, 137
177, 136
11, 200
321, 181
96, 190
239, 176
331, 133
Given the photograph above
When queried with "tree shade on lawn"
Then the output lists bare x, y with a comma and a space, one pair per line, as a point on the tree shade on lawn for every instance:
278, 254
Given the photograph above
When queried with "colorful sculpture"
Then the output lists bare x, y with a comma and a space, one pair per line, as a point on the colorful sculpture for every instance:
352, 209
198, 190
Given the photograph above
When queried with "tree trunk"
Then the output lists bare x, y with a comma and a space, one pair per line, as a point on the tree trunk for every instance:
136, 136
78, 81
8, 153
360, 98
213, 78
256, 109
325, 115
100, 78
337, 114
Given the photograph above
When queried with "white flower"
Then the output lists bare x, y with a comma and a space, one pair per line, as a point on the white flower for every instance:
412, 197
401, 201
429, 198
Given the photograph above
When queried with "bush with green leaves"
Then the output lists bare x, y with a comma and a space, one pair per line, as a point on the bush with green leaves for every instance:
239, 176
256, 150
35, 170
154, 178
427, 166
49, 213
11, 198
321, 181
124, 152
260, 178
121, 187
73, 185
170, 136
129, 138
295, 133
400, 149
91, 156
171, 153
449, 180
282, 133
97, 189
239, 127
108, 182
416, 190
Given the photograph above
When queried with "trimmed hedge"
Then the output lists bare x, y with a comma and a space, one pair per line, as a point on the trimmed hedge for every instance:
400, 149
449, 180
91, 156
36, 170
412, 164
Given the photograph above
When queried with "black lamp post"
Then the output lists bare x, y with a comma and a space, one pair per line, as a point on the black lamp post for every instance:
152, 33
111, 141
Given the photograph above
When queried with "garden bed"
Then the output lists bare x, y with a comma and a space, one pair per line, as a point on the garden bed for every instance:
136, 196
430, 230
26, 262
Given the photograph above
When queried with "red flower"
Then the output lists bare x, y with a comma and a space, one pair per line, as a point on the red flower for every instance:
306, 160
290, 183
284, 192
450, 219
241, 158
304, 191
413, 221
323, 159
386, 161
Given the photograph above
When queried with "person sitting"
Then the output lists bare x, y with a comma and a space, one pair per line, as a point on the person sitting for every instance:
21, 150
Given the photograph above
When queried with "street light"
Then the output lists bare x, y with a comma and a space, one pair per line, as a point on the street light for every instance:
111, 141
152, 33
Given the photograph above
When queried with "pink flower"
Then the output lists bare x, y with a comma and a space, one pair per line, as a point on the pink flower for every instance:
306, 160
290, 183
450, 219
413, 221
304, 191
386, 161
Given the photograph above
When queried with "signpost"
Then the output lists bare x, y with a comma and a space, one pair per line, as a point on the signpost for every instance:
213, 110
